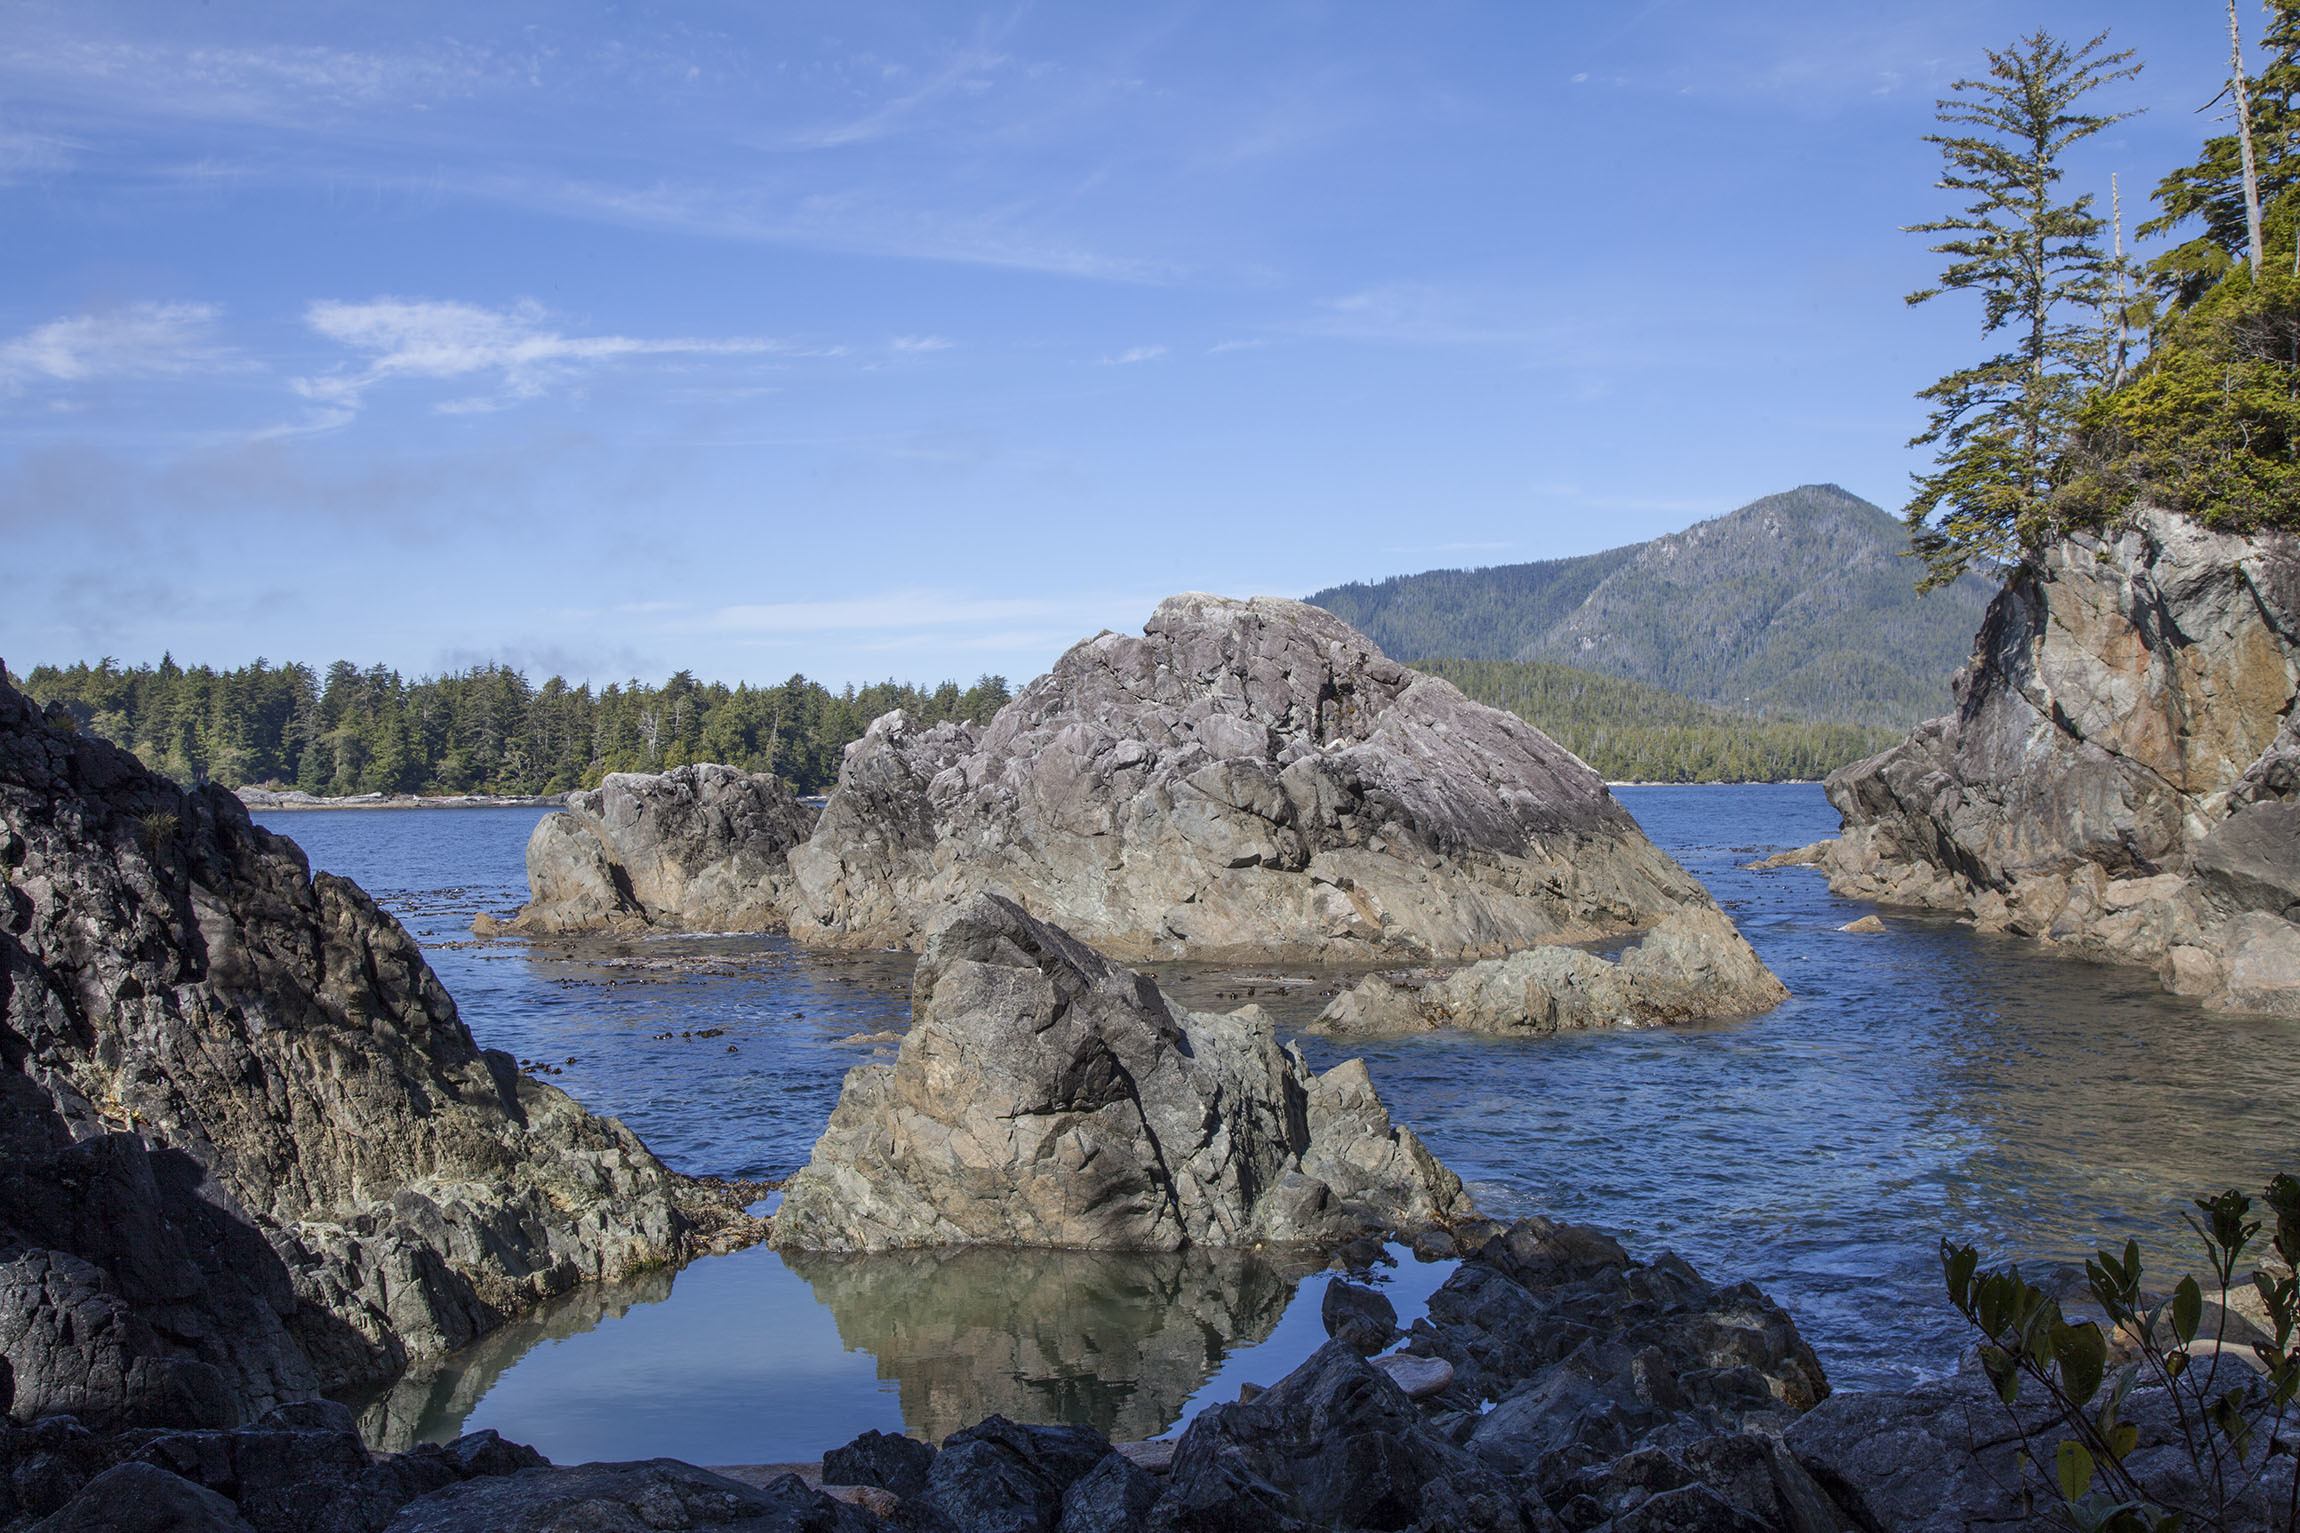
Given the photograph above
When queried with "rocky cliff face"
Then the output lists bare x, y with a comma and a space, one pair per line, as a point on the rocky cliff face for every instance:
2122, 774
697, 848
247, 1148
1047, 1097
1245, 780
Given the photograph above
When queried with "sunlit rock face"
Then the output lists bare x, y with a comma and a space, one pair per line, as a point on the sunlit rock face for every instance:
1045, 1096
697, 848
1245, 780
248, 1149
1692, 967
2122, 773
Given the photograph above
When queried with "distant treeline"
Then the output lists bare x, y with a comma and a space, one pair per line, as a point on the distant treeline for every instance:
485, 730
488, 730
1630, 732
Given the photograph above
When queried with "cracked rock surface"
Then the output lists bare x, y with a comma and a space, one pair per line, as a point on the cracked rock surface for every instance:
248, 1150
1244, 780
697, 848
1693, 966
2122, 774
1045, 1096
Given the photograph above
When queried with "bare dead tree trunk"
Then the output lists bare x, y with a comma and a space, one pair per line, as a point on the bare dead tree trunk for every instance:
2123, 342
2236, 83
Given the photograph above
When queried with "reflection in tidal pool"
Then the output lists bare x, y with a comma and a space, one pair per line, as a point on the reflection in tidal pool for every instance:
763, 1360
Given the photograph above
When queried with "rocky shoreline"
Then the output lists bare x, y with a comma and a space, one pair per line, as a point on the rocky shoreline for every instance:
275, 800
2121, 778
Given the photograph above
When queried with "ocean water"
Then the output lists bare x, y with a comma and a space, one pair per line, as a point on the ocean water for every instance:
1929, 1081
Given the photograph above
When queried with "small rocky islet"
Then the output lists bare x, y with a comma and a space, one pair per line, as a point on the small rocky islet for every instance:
254, 1156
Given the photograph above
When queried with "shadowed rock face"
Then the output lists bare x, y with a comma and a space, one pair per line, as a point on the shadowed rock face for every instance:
1693, 966
697, 848
1047, 1097
2122, 773
1245, 780
248, 1150
1117, 1340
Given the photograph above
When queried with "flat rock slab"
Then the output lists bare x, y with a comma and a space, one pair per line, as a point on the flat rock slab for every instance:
1419, 1377
1155, 1456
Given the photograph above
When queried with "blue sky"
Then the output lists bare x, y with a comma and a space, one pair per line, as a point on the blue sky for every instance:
921, 340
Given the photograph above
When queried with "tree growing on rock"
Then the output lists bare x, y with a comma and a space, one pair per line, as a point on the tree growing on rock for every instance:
2034, 257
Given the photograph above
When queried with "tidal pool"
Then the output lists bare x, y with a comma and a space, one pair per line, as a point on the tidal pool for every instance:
1927, 1081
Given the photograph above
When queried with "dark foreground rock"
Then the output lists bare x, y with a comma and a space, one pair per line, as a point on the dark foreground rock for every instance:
1246, 780
1045, 1096
1588, 1393
1691, 967
248, 1150
697, 848
2122, 775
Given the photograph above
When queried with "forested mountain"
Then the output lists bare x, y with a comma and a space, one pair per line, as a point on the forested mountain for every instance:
1631, 732
1797, 606
485, 730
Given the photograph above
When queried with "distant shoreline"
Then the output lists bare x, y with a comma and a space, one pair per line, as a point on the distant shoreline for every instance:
267, 801
1733, 782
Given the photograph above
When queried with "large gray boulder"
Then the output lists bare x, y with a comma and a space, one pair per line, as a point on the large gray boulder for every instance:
1692, 967
2119, 777
697, 848
1244, 780
248, 1150
1045, 1096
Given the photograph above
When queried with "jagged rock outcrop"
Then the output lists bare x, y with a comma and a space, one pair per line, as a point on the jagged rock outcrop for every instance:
2122, 774
1245, 780
1693, 966
1045, 1096
248, 1150
697, 848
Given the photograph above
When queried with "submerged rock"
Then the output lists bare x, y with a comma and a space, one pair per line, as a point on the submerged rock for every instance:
1245, 780
1045, 1096
2122, 774
697, 848
248, 1150
1693, 966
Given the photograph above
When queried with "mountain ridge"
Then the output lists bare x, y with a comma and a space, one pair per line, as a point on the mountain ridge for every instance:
1798, 605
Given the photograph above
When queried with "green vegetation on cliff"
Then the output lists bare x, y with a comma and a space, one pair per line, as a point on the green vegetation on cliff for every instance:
485, 730
1797, 606
2114, 385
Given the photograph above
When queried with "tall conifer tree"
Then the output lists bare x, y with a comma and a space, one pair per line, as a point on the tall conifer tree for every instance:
2035, 261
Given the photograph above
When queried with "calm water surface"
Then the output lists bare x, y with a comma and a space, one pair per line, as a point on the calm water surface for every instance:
1926, 1081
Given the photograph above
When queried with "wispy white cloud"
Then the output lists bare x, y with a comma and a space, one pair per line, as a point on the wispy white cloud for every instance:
139, 340
922, 343
520, 350
1134, 354
852, 221
24, 153
967, 70
896, 609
